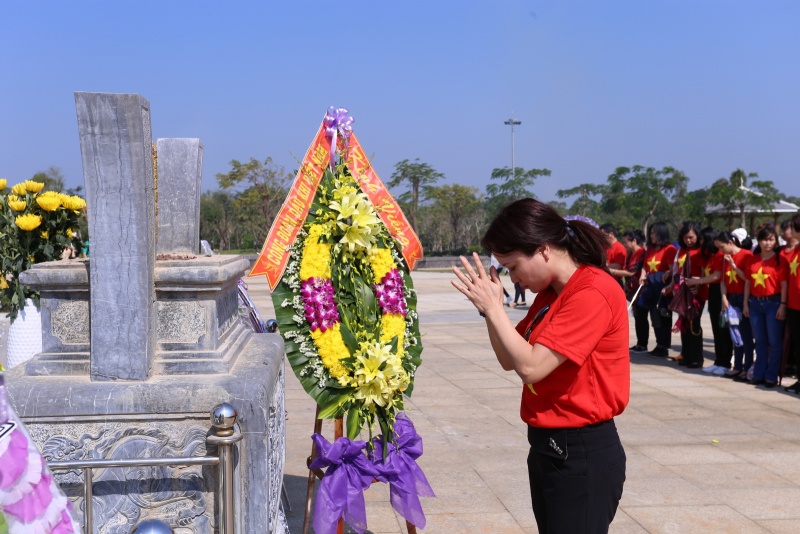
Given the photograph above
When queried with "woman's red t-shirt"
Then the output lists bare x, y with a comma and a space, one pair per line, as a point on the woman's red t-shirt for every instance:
734, 284
794, 279
588, 324
660, 260
616, 254
696, 269
765, 276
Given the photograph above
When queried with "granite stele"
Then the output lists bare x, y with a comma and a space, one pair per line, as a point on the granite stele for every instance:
144, 339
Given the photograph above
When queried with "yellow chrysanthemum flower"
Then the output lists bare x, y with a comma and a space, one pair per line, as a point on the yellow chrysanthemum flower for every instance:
316, 261
393, 324
3, 183
32, 186
74, 203
49, 201
382, 262
19, 189
16, 204
3, 282
332, 349
70, 233
28, 222
63, 198
45, 234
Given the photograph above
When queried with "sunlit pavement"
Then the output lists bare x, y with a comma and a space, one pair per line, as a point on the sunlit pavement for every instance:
705, 454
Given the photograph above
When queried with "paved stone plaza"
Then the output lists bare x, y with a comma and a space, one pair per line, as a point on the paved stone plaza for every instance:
705, 454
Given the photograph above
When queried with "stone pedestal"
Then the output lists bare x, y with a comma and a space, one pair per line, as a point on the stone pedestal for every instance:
71, 418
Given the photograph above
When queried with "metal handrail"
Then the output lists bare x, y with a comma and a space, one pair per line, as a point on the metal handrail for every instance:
224, 436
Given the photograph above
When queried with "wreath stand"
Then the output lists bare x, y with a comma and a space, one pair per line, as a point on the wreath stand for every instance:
313, 474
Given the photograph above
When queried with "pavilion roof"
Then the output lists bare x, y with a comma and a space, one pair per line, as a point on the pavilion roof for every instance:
779, 206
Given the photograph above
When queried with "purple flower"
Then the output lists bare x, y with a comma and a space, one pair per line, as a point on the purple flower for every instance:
319, 306
390, 293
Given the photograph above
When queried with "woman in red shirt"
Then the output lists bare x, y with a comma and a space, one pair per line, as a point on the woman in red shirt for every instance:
792, 258
658, 259
691, 331
633, 241
571, 353
732, 293
765, 294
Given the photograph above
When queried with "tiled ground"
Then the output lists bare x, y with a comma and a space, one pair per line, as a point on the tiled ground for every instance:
705, 454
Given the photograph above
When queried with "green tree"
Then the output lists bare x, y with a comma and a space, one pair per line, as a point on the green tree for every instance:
584, 204
632, 197
460, 206
416, 176
217, 222
735, 194
261, 188
510, 186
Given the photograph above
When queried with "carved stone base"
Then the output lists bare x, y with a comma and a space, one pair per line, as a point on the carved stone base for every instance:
72, 418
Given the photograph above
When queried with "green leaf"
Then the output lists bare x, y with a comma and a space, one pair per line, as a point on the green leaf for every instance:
354, 422
348, 338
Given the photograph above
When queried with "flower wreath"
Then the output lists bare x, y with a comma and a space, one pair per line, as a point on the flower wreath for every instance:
346, 308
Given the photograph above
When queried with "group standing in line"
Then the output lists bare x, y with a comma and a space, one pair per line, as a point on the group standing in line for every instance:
752, 292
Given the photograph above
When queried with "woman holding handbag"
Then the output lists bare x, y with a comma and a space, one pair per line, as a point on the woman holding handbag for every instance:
732, 289
688, 265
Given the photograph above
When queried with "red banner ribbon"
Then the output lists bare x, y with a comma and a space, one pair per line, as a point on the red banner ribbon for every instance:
274, 254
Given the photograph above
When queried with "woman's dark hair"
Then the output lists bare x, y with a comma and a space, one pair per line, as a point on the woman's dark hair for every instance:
727, 237
763, 233
766, 231
634, 235
796, 222
525, 225
707, 245
661, 232
785, 224
686, 227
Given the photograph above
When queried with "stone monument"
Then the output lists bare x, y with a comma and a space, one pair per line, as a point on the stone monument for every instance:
144, 338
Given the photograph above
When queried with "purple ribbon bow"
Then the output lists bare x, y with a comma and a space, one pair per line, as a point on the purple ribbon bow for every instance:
406, 479
341, 492
337, 122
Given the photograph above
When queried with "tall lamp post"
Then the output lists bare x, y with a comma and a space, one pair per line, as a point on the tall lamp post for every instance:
512, 123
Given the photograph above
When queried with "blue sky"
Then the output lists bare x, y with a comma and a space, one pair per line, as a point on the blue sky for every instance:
704, 86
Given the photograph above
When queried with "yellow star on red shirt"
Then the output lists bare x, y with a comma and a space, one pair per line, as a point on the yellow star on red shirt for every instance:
732, 276
793, 265
681, 261
760, 278
707, 270
653, 264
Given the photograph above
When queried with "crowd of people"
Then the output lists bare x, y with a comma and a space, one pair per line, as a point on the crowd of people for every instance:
749, 285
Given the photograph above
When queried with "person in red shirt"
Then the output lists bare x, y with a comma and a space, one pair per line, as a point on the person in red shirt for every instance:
765, 292
792, 258
571, 353
633, 241
691, 331
658, 259
616, 253
708, 290
732, 294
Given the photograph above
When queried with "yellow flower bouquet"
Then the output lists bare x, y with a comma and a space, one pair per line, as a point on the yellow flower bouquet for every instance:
35, 226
